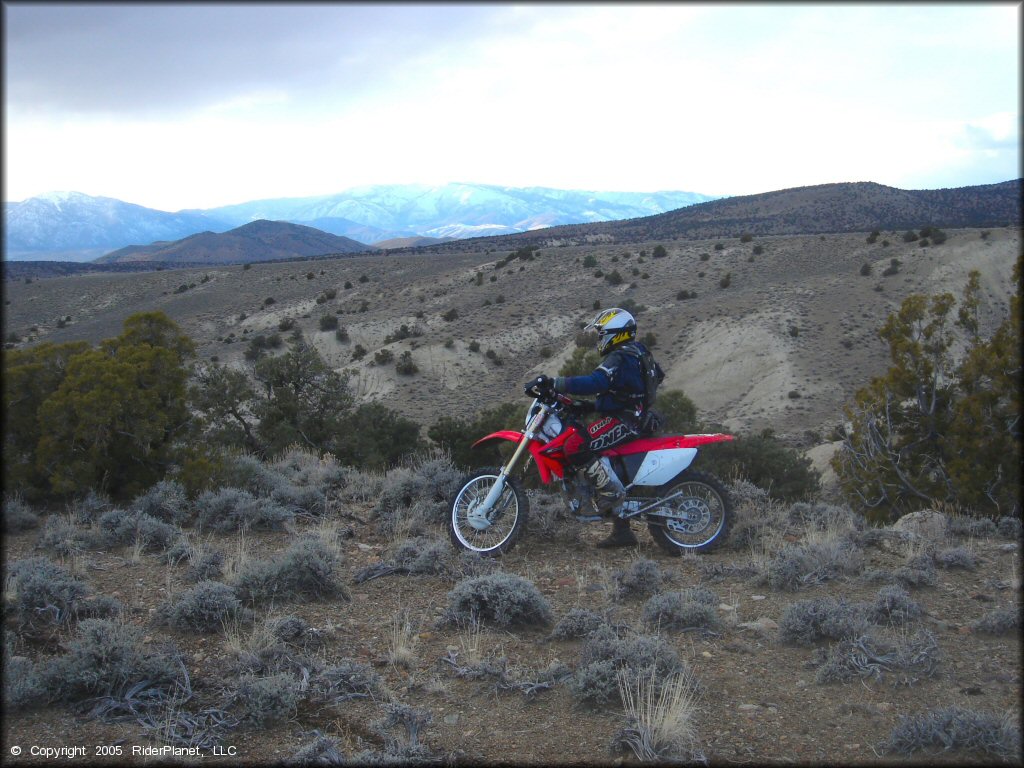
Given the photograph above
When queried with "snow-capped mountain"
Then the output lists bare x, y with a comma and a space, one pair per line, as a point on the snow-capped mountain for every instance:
459, 210
75, 227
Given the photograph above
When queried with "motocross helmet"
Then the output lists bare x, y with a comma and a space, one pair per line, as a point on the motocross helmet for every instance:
614, 327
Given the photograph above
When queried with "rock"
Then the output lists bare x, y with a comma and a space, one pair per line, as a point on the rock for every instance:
706, 654
749, 707
726, 607
1008, 548
451, 719
762, 624
926, 523
757, 597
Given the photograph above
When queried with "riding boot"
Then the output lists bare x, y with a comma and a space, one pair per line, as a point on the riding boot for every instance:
621, 535
607, 486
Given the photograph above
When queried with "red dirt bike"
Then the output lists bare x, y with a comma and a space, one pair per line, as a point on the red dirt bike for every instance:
684, 510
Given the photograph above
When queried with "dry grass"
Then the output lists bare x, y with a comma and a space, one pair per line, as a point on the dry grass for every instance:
662, 714
402, 651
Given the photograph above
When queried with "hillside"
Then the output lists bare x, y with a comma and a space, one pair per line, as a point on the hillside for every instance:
796, 317
846, 207
258, 241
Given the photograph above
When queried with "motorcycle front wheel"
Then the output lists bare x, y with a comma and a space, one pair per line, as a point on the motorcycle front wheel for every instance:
696, 519
504, 524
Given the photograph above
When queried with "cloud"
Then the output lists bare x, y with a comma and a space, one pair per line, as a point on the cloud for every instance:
195, 105
156, 59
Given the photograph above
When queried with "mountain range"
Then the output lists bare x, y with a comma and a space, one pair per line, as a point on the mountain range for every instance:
71, 226
823, 208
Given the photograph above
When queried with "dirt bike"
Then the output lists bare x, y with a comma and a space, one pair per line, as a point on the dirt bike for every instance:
684, 510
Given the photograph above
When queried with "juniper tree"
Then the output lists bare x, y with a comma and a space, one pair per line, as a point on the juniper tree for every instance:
932, 428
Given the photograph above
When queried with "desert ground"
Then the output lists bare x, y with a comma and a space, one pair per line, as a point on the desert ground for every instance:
805, 638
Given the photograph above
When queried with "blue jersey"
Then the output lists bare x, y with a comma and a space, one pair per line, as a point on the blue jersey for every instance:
618, 381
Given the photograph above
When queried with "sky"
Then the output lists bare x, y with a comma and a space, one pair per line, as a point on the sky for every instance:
176, 106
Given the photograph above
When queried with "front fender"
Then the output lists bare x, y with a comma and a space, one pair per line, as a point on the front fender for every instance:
505, 434
547, 467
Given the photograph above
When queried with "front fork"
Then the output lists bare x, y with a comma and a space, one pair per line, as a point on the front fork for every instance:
480, 517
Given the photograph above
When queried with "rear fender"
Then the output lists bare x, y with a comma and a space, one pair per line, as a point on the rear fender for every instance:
647, 444
663, 458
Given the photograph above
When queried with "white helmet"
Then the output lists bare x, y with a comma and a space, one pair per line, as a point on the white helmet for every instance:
614, 327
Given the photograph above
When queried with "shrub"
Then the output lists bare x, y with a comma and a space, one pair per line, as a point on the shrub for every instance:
328, 322
672, 610
1009, 527
999, 621
347, 680
87, 509
908, 659
341, 334
805, 622
865, 269
155, 535
232, 509
974, 527
204, 607
801, 565
263, 700
416, 494
106, 658
893, 605
205, 566
956, 728
23, 687
308, 568
893, 268
659, 252
766, 462
18, 516
606, 656
642, 577
578, 622
746, 238
909, 236
613, 277
917, 571
42, 588
589, 262
500, 599
405, 365
451, 314
422, 556
166, 501
61, 536
957, 557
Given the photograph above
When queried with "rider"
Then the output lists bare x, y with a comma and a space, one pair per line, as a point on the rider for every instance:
620, 385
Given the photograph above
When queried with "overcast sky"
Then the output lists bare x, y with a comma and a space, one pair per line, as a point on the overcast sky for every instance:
199, 105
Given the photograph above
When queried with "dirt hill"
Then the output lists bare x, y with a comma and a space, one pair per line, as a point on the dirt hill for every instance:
257, 241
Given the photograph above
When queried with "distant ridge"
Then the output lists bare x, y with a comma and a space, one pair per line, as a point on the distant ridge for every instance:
257, 241
841, 207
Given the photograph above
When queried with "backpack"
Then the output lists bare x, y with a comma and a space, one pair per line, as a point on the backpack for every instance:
653, 374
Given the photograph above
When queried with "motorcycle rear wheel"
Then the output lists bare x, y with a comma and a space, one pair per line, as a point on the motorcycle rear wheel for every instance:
507, 520
697, 520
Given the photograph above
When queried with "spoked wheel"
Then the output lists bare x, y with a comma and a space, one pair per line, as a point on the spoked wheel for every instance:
695, 514
495, 532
